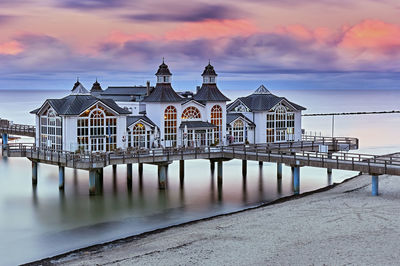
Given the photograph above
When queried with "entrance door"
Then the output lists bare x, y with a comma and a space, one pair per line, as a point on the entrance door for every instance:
97, 144
200, 137
280, 135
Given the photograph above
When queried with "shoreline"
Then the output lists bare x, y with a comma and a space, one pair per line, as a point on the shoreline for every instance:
101, 246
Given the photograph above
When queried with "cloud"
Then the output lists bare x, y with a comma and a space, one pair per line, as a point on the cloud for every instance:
373, 36
5, 19
91, 4
10, 48
188, 13
211, 29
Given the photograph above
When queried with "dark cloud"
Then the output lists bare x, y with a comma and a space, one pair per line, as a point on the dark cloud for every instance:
5, 19
188, 14
91, 4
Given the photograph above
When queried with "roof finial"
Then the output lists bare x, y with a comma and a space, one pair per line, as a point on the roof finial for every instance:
77, 79
163, 60
209, 61
96, 79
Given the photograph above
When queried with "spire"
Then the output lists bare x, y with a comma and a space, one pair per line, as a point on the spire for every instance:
96, 87
262, 90
163, 74
76, 83
209, 74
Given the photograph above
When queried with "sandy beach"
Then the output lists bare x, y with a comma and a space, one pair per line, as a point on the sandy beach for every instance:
343, 225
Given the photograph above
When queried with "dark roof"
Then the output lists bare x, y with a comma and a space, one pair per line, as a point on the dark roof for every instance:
163, 70
163, 92
230, 117
130, 120
210, 93
96, 87
77, 83
209, 71
264, 102
196, 124
125, 93
76, 104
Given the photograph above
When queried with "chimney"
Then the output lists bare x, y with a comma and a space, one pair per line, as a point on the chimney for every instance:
148, 87
197, 89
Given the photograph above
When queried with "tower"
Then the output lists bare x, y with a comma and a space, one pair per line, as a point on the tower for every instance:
209, 75
163, 74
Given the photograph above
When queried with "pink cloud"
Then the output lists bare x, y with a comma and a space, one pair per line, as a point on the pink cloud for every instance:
211, 29
11, 48
121, 38
300, 32
374, 35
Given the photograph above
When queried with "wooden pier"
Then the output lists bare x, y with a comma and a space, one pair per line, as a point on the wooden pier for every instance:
307, 152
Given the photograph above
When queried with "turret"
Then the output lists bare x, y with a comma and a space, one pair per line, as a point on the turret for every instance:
163, 74
209, 75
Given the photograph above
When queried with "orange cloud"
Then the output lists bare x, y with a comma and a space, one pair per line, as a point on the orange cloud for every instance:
372, 34
11, 48
210, 29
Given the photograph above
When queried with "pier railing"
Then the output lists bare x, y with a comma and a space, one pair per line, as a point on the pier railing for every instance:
18, 129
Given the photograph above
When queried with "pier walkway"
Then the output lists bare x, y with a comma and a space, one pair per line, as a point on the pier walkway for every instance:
294, 154
6, 127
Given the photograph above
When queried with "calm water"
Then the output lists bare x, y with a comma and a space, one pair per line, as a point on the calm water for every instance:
40, 222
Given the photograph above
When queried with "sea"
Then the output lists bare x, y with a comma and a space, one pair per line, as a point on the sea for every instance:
40, 221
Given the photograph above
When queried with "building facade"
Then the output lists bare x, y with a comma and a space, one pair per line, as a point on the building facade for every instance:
157, 116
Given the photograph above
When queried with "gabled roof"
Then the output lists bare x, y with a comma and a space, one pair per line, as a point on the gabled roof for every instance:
196, 124
262, 101
76, 104
230, 117
192, 100
210, 93
163, 92
262, 90
130, 120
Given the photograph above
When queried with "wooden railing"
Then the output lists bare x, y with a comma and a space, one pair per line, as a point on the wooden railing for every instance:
19, 129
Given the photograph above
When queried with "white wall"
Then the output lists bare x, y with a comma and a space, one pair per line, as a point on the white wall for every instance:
297, 126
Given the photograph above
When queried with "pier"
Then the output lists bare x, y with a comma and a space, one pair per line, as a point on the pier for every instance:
312, 151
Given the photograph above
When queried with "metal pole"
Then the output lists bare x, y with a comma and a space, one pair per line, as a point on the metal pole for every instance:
333, 125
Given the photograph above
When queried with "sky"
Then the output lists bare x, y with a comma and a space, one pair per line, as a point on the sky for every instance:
283, 44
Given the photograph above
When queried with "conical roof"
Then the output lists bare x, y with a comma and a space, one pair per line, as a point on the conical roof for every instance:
262, 90
163, 70
96, 87
209, 70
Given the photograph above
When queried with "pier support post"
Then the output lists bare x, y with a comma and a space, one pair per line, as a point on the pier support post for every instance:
220, 170
129, 171
260, 163
162, 176
375, 185
181, 170
95, 181
61, 177
279, 170
212, 166
244, 168
129, 175
34, 173
296, 179
114, 168
5, 139
329, 170
140, 169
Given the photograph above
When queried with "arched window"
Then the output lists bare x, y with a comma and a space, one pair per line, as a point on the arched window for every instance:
270, 128
170, 125
191, 113
97, 130
280, 117
238, 129
280, 123
50, 130
216, 119
139, 135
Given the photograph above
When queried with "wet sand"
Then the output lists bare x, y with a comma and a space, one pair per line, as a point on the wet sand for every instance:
342, 225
